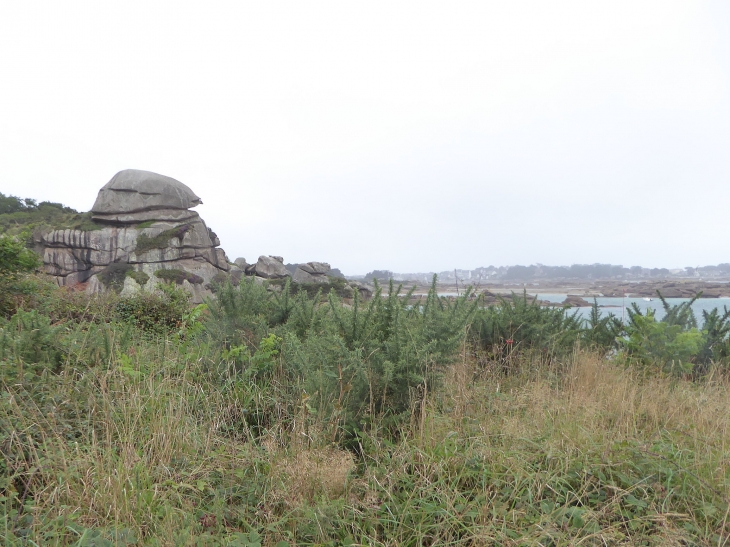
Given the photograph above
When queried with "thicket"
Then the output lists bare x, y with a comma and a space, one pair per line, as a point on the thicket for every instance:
25, 215
279, 418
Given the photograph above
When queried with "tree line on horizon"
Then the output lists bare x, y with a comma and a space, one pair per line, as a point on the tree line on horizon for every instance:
541, 271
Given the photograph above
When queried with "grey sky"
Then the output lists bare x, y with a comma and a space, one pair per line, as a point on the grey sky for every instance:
411, 136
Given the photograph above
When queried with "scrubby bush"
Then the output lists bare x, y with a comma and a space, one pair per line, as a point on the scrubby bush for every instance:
157, 313
522, 325
16, 261
114, 274
174, 275
140, 277
279, 417
676, 344
601, 332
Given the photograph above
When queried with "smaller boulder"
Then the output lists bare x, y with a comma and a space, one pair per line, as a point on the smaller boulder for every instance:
366, 291
315, 267
302, 276
271, 267
575, 301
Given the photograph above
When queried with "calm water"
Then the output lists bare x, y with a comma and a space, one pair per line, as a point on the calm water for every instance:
614, 305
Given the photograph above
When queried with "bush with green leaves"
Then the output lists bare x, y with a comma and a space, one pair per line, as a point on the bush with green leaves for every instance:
676, 344
16, 261
177, 276
522, 324
402, 348
140, 277
355, 364
157, 313
114, 274
601, 332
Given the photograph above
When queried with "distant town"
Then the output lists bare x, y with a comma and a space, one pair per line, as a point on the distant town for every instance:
540, 272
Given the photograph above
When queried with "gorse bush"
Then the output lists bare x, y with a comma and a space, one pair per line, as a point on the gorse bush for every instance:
353, 365
15, 262
402, 348
523, 325
157, 313
675, 343
275, 417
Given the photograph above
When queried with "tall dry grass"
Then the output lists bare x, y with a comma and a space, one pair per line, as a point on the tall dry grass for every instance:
586, 452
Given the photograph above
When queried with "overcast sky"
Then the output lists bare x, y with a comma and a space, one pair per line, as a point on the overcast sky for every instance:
410, 136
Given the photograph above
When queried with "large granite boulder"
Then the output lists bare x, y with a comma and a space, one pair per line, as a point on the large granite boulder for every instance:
144, 226
311, 273
270, 267
133, 191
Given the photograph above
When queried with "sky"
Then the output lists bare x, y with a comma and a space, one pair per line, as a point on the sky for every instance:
409, 136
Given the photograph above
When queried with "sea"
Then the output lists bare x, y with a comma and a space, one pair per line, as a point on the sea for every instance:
618, 305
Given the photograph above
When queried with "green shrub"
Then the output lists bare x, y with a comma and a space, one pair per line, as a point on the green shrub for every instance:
178, 276
155, 313
161, 240
397, 351
523, 325
601, 331
46, 218
653, 341
140, 277
29, 338
114, 274
336, 284
16, 261
675, 344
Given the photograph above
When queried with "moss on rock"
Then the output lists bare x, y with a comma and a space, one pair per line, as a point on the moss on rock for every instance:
160, 241
178, 276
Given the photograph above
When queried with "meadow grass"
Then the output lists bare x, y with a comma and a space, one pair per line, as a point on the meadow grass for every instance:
150, 450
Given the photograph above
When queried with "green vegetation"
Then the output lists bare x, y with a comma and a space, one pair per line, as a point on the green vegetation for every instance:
336, 284
15, 261
140, 277
114, 274
161, 240
26, 215
280, 418
178, 276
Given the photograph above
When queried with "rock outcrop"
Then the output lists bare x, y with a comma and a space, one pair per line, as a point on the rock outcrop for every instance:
145, 225
269, 267
575, 301
312, 273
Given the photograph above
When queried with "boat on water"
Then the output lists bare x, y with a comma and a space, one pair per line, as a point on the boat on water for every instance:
647, 299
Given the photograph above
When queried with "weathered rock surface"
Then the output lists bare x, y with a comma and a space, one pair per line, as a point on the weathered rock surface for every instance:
270, 267
365, 290
311, 272
315, 268
575, 301
144, 225
132, 191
